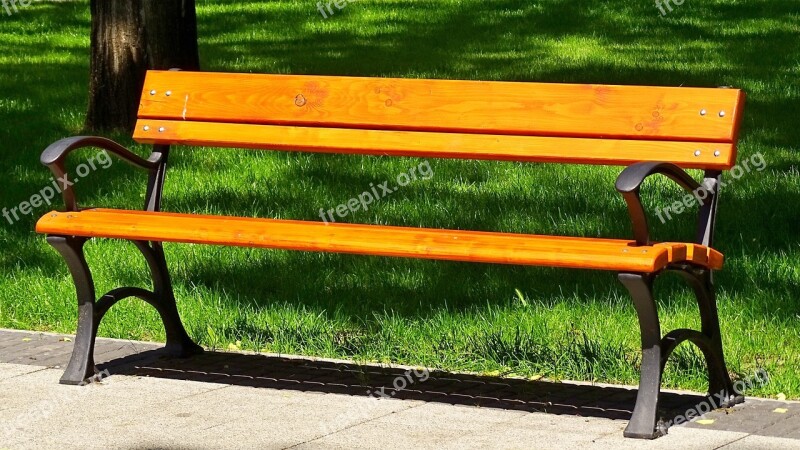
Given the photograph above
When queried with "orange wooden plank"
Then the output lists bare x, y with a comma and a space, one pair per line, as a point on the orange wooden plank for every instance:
540, 109
436, 145
704, 256
472, 246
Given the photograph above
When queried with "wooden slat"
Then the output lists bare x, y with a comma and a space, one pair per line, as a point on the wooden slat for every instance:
540, 109
435, 145
472, 246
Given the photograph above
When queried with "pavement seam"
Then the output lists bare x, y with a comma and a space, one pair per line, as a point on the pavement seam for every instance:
732, 442
353, 426
40, 368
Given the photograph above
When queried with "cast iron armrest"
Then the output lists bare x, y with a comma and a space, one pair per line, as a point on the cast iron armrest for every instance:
630, 182
55, 155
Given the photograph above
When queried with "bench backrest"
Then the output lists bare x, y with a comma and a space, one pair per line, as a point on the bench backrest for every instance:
570, 123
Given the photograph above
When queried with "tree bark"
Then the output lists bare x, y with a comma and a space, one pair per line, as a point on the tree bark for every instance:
128, 38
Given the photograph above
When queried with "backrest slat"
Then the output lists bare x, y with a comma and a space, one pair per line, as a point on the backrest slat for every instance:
582, 123
707, 155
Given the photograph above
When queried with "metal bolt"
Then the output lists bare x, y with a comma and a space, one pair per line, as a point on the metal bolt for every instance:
702, 112
168, 93
722, 113
161, 129
146, 128
299, 100
153, 92
717, 153
697, 153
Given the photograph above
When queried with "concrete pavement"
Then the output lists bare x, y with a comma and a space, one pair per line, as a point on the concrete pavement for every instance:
241, 400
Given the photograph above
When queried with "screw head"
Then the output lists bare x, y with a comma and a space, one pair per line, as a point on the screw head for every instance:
153, 92
722, 113
146, 128
697, 153
717, 153
702, 112
168, 93
161, 129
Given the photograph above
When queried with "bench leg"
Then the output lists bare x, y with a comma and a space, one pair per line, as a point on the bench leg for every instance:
90, 312
656, 350
81, 364
178, 341
643, 423
709, 340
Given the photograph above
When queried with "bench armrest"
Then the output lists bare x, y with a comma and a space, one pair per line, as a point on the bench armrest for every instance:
55, 155
630, 182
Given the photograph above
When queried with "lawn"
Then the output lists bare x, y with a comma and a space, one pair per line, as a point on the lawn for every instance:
561, 324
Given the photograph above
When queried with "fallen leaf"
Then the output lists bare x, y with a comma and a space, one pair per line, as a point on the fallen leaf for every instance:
782, 397
705, 421
26, 339
780, 410
66, 339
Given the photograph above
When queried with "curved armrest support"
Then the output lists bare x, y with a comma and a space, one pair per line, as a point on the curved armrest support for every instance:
55, 155
630, 182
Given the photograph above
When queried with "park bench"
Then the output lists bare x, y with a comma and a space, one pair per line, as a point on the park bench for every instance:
648, 130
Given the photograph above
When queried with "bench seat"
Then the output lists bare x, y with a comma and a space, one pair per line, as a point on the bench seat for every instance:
456, 245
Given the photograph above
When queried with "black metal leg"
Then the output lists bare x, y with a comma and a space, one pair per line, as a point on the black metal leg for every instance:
643, 423
81, 364
178, 341
719, 380
90, 312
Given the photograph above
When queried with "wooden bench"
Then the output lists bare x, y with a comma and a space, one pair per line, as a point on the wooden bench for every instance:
651, 130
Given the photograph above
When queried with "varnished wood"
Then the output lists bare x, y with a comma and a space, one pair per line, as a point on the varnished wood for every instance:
436, 145
456, 245
537, 109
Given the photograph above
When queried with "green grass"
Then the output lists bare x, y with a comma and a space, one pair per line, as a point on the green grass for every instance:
565, 324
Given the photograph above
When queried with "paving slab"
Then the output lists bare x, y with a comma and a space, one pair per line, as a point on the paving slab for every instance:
763, 443
246, 400
15, 370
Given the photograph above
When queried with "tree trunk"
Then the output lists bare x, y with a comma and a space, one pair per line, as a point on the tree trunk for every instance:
129, 37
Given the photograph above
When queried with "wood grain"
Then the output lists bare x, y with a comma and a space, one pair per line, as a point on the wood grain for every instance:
435, 145
536, 109
456, 245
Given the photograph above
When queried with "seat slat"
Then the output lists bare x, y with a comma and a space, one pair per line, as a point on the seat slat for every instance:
456, 245
536, 109
436, 145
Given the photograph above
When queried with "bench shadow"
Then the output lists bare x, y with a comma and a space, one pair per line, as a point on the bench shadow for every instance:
347, 378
